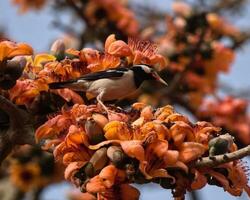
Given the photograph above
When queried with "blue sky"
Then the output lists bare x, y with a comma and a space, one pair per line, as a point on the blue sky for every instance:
35, 28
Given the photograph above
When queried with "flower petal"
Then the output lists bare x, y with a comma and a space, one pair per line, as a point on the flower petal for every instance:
190, 151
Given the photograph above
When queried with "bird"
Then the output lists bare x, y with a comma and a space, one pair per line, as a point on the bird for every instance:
112, 84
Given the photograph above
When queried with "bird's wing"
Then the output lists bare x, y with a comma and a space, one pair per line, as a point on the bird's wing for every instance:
116, 73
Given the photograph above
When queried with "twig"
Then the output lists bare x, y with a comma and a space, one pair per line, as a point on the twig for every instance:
221, 159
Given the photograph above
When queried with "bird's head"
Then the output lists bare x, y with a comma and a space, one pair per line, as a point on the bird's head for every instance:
144, 72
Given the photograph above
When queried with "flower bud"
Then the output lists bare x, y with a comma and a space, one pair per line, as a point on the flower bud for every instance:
10, 71
89, 170
58, 49
94, 132
116, 155
220, 144
99, 159
100, 119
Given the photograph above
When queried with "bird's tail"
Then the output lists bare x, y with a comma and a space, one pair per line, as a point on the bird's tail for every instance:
71, 84
60, 85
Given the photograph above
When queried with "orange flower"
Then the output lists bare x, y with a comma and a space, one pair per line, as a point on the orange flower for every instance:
199, 180
53, 127
181, 132
10, 49
60, 71
190, 151
164, 112
154, 127
73, 147
25, 176
71, 155
72, 169
36, 64
117, 47
158, 158
204, 131
230, 113
107, 185
107, 178
69, 95
220, 25
26, 90
136, 51
25, 5
76, 137
222, 59
98, 62
236, 181
117, 130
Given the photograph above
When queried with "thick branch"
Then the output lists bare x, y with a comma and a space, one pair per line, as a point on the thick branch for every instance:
20, 130
221, 159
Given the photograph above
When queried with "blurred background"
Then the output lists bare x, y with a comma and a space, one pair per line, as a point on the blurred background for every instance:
41, 27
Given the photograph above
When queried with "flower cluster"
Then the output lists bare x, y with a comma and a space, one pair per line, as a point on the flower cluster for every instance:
62, 65
194, 48
229, 113
104, 154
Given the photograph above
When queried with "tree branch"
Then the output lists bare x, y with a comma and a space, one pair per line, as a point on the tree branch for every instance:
221, 159
20, 130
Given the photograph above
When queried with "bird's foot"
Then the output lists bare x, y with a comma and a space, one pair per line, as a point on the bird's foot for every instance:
212, 158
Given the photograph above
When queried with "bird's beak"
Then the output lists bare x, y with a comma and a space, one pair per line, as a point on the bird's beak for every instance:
158, 78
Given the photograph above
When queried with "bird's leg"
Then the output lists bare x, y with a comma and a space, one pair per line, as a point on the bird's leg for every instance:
99, 100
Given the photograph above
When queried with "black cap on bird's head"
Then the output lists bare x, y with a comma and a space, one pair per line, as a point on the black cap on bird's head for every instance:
144, 72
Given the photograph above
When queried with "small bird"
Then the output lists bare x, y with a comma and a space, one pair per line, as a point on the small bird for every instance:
113, 84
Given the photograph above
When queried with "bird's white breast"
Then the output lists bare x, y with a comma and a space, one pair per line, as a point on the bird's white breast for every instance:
116, 88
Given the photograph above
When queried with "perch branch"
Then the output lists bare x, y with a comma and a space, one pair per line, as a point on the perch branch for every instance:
221, 159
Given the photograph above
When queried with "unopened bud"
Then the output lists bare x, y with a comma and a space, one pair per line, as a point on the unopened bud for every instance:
58, 49
16, 66
89, 170
99, 159
220, 144
11, 71
100, 119
116, 155
94, 132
